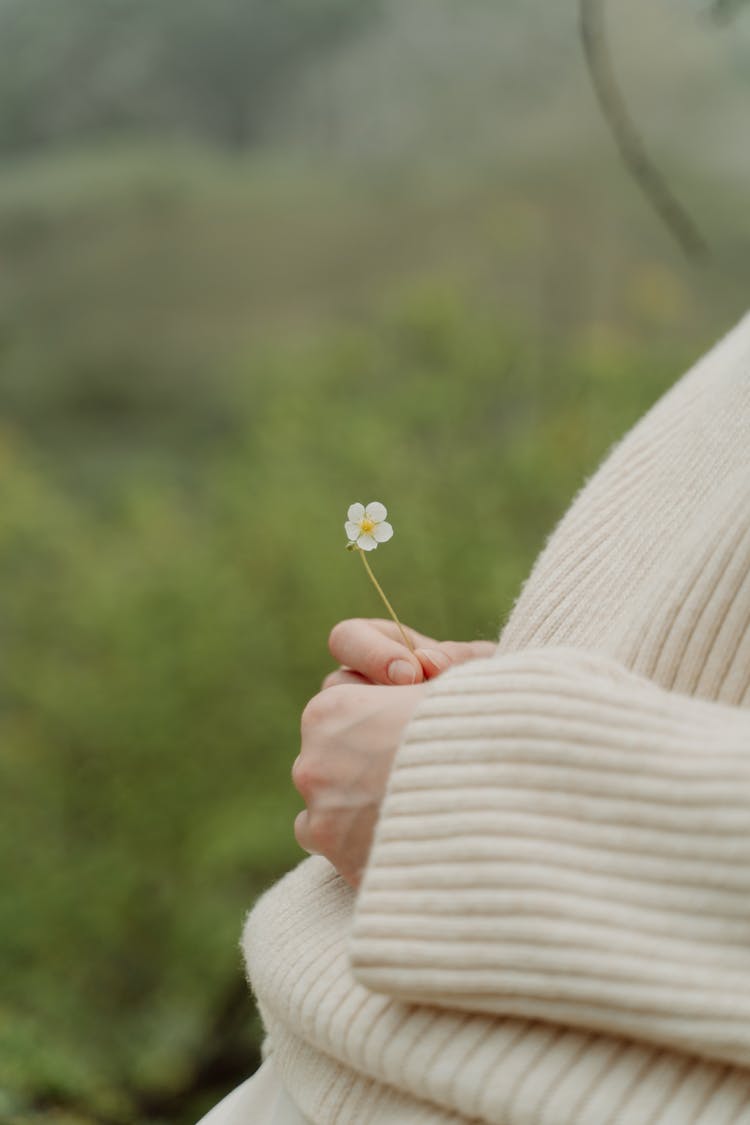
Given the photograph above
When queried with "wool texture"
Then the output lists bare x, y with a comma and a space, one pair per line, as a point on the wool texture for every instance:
554, 924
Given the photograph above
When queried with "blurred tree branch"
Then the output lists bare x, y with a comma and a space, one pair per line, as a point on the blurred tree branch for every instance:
628, 139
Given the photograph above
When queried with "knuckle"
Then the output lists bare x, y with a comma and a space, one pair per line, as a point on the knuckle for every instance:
300, 829
338, 634
298, 772
324, 708
307, 775
316, 710
345, 632
322, 832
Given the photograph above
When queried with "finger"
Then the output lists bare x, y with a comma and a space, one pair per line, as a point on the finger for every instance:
343, 676
377, 651
302, 831
461, 651
436, 659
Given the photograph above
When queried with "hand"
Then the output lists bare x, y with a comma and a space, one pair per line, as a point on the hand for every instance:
350, 734
372, 651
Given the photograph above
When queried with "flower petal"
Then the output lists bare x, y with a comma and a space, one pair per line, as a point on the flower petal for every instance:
353, 530
382, 532
376, 511
355, 513
367, 543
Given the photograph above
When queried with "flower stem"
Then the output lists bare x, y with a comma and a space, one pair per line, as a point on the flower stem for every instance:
387, 604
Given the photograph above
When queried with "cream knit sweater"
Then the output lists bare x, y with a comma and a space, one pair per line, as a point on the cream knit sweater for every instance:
554, 926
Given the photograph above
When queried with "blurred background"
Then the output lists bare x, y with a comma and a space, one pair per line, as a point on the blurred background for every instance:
260, 259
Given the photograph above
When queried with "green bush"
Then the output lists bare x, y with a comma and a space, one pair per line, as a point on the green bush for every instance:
162, 632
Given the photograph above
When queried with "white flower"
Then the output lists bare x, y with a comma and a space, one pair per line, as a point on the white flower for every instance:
367, 526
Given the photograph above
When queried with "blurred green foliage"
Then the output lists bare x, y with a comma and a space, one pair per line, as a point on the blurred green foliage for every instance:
166, 588
213, 69
203, 362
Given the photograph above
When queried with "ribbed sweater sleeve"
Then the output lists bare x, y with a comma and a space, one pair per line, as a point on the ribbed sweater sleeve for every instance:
565, 840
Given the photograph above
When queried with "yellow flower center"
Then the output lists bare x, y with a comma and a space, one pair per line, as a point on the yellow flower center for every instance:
366, 525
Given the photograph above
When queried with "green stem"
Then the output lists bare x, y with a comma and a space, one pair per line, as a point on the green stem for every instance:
387, 604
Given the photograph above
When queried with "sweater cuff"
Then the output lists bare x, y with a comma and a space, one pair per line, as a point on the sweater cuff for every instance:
565, 840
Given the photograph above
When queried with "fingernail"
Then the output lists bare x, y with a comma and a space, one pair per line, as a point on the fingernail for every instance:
438, 659
401, 672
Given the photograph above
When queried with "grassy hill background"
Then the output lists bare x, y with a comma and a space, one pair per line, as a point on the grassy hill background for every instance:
422, 276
